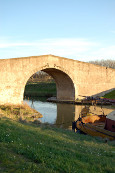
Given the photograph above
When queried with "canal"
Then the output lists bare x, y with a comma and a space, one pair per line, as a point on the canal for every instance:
60, 114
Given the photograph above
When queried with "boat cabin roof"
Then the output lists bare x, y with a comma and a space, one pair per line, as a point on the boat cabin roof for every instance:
111, 116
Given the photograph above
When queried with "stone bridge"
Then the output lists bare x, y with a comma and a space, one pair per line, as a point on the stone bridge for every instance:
73, 78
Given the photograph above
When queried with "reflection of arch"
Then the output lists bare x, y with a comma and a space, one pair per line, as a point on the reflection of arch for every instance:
65, 115
64, 83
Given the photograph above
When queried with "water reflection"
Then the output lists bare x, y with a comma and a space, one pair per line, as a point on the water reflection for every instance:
48, 110
63, 114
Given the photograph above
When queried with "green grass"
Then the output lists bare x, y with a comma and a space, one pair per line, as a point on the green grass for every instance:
110, 95
31, 148
42, 89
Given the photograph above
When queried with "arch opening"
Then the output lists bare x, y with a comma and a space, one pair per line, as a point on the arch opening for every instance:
40, 84
64, 84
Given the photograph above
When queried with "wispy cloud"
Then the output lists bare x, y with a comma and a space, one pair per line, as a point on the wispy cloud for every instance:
66, 42
59, 46
105, 52
74, 48
6, 45
64, 46
113, 31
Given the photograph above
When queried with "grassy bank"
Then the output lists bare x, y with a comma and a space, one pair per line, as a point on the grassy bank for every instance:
19, 112
41, 89
110, 95
31, 148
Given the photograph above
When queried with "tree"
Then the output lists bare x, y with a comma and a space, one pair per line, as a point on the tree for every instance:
106, 63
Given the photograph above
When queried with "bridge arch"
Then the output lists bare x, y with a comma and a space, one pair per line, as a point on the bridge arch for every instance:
75, 78
64, 82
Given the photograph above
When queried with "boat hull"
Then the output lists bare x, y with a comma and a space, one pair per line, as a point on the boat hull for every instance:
94, 130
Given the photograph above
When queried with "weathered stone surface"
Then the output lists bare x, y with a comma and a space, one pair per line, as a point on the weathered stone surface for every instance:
73, 78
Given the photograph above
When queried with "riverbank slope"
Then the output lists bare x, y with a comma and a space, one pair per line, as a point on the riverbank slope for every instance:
33, 147
110, 95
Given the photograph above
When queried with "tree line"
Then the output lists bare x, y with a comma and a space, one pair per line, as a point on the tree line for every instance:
40, 77
105, 63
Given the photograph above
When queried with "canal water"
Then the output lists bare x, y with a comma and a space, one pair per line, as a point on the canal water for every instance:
62, 115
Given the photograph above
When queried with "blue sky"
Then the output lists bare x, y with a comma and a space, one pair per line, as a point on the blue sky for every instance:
78, 29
